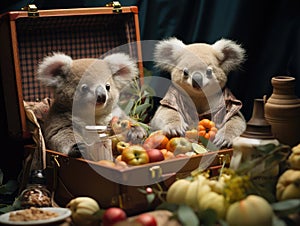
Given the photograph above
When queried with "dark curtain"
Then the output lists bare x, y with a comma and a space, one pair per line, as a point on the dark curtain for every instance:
268, 30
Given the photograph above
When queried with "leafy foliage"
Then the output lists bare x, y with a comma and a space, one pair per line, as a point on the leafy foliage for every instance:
137, 99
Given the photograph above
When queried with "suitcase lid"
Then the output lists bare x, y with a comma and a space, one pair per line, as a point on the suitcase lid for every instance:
78, 32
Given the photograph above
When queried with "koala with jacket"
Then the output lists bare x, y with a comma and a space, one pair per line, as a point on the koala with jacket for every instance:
198, 88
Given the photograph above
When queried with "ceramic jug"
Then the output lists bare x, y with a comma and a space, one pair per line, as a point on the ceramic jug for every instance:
282, 110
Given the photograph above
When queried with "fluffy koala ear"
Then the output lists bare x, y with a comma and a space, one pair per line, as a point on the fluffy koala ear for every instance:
52, 68
123, 68
166, 52
232, 54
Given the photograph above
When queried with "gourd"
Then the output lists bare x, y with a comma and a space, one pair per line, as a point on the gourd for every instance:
215, 201
184, 191
207, 129
294, 158
197, 193
251, 211
84, 211
288, 185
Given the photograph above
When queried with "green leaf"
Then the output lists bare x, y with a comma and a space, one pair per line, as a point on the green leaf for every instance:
142, 107
208, 217
129, 106
278, 222
187, 216
142, 190
286, 207
207, 144
167, 206
265, 148
9, 188
6, 209
150, 198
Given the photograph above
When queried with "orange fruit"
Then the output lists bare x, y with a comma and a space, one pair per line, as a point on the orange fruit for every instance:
207, 129
156, 140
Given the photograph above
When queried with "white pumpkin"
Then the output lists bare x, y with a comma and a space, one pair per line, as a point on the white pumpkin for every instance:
251, 211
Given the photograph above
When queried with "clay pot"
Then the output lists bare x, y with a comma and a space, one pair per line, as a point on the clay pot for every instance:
282, 110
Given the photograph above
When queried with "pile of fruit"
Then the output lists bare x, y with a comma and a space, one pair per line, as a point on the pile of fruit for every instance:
157, 146
87, 212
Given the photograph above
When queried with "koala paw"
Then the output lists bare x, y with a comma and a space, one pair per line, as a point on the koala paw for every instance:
136, 134
77, 149
174, 131
222, 140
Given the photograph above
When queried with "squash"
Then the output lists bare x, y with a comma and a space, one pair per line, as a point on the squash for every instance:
251, 211
84, 211
294, 158
184, 191
197, 193
207, 129
288, 185
214, 201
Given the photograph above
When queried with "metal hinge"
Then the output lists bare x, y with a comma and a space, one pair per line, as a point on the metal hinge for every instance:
32, 10
117, 8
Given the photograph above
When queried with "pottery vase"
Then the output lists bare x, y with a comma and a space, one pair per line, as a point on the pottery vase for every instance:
282, 110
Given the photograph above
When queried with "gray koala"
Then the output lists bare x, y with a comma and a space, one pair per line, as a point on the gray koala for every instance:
198, 90
86, 92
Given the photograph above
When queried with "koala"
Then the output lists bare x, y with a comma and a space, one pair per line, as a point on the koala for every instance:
86, 92
198, 88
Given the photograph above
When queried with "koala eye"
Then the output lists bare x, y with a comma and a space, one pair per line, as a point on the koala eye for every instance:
84, 88
209, 72
107, 86
185, 72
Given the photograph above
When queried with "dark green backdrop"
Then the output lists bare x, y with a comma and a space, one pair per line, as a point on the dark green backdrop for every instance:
268, 30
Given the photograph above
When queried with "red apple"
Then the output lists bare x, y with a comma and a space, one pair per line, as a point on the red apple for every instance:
113, 215
155, 155
146, 219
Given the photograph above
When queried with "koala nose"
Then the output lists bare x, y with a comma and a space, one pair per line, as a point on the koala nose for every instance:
100, 95
197, 80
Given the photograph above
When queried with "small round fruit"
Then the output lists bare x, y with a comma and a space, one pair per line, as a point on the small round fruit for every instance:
179, 145
156, 140
253, 210
120, 125
113, 215
146, 219
106, 162
121, 145
135, 155
167, 154
207, 129
155, 155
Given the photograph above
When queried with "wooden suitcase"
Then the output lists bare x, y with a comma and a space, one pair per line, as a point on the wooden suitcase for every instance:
25, 38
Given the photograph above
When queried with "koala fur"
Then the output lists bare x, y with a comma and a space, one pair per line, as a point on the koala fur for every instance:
86, 92
199, 75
